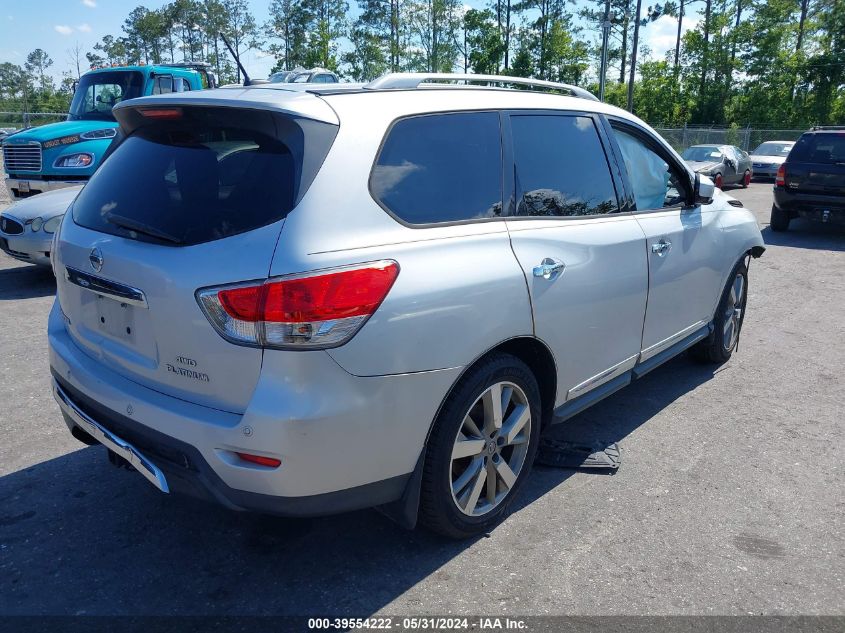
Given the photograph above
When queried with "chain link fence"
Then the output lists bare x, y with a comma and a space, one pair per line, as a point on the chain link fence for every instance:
746, 138
17, 119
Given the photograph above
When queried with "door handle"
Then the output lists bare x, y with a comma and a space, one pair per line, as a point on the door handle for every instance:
661, 248
548, 268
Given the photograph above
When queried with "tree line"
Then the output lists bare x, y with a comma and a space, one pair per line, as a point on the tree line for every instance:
767, 63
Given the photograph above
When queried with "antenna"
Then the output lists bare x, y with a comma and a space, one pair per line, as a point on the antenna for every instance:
247, 80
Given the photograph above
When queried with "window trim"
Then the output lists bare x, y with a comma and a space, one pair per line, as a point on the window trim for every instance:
508, 210
638, 132
428, 225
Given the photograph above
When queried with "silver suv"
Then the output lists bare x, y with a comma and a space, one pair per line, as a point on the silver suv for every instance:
310, 300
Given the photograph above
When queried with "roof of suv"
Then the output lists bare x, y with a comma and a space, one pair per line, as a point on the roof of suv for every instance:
316, 102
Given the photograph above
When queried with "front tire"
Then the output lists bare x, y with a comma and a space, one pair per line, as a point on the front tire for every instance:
779, 220
730, 315
746, 180
481, 448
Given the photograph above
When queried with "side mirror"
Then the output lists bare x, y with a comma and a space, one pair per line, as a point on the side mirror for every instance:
704, 189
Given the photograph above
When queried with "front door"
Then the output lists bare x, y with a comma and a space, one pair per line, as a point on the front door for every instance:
684, 278
584, 262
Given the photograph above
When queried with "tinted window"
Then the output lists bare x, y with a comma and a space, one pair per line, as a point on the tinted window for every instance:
561, 168
441, 168
826, 148
163, 85
655, 183
205, 176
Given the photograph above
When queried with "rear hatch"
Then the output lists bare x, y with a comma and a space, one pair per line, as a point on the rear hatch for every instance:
195, 196
816, 165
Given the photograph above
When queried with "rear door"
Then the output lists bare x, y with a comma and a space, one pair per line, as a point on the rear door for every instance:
816, 165
192, 198
583, 259
682, 242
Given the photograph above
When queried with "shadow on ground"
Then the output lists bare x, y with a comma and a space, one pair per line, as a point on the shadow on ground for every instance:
807, 234
26, 282
79, 536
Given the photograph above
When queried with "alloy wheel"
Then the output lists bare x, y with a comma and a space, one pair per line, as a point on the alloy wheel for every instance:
490, 448
733, 312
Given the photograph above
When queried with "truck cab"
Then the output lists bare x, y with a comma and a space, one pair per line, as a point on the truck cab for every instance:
67, 153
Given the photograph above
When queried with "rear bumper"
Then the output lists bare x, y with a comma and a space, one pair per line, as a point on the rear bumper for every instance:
30, 247
38, 185
352, 443
815, 207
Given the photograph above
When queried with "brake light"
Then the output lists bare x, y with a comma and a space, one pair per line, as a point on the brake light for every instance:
161, 113
316, 310
780, 177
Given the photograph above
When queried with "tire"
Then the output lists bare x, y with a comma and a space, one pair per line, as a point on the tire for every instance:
718, 181
779, 220
746, 179
730, 315
456, 499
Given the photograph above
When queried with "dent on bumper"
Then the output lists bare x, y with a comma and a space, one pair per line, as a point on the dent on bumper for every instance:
336, 434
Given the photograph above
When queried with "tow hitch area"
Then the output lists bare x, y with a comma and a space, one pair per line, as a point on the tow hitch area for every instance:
118, 461
560, 453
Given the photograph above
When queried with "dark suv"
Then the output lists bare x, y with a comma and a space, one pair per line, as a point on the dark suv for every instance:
811, 182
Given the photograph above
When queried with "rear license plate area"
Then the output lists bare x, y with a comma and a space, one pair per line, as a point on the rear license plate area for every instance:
114, 319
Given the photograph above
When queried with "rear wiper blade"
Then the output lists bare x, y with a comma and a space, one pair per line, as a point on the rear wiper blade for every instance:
139, 227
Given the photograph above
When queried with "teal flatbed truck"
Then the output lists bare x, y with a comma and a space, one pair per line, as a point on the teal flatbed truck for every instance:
67, 153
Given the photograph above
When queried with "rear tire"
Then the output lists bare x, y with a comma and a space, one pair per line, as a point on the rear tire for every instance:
466, 452
746, 180
718, 181
730, 315
779, 220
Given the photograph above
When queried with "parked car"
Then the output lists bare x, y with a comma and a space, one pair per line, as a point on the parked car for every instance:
301, 76
27, 227
811, 181
65, 154
235, 324
724, 164
768, 156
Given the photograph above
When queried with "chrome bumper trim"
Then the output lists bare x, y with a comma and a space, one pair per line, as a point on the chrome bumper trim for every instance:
111, 441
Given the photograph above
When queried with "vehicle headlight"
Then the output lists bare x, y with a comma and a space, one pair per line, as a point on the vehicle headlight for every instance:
109, 132
52, 225
36, 224
75, 160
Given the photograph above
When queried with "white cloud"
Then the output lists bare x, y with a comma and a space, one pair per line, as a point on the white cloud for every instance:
64, 29
92, 4
660, 36
84, 28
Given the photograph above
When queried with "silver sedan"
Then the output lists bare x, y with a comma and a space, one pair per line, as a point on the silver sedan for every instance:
27, 227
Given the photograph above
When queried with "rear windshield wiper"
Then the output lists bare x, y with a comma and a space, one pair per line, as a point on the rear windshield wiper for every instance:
140, 227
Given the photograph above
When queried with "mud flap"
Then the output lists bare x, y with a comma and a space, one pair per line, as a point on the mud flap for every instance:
559, 453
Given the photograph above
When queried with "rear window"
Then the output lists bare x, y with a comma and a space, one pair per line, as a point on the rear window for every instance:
825, 148
205, 175
441, 168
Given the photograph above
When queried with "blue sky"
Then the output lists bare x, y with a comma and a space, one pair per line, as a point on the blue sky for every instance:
56, 25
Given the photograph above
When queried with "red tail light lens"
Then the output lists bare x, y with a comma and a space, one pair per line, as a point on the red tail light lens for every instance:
318, 310
780, 177
161, 113
269, 462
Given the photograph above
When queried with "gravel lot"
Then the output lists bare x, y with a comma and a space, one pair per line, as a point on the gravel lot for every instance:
730, 499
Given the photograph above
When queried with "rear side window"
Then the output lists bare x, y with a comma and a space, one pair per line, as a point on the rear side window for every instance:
825, 148
441, 168
204, 175
561, 167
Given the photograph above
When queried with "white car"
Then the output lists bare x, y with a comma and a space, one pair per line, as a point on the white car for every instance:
27, 227
769, 156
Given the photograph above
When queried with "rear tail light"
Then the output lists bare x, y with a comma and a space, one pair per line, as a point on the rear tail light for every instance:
161, 113
780, 178
314, 310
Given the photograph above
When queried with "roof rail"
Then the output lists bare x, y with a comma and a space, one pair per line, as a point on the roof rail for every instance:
410, 81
